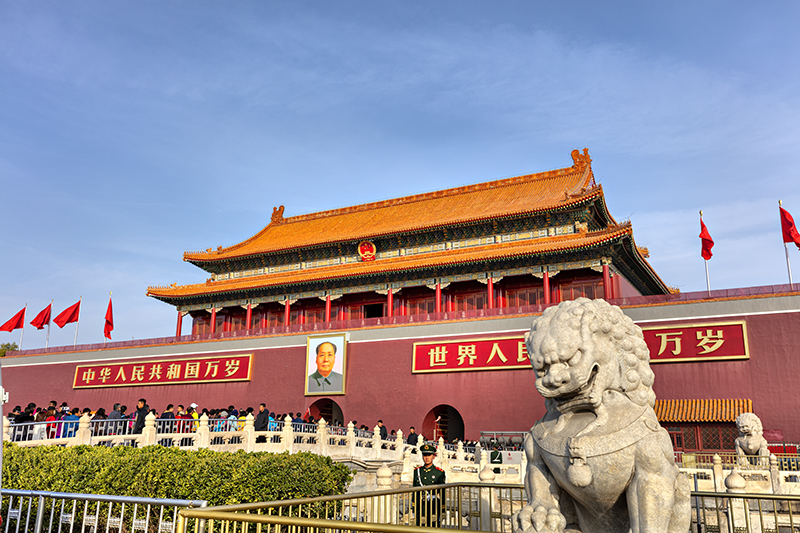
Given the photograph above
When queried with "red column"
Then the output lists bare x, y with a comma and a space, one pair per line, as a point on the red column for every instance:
502, 302
451, 302
226, 324
301, 316
213, 320
490, 292
390, 303
438, 308
287, 313
328, 308
546, 280
249, 318
403, 307
180, 324
608, 292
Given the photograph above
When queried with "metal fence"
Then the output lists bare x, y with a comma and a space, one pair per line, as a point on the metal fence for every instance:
467, 506
721, 512
25, 511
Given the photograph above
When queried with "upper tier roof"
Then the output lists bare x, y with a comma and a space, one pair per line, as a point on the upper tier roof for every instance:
555, 189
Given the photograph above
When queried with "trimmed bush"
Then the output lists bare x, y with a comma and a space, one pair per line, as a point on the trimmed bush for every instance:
159, 472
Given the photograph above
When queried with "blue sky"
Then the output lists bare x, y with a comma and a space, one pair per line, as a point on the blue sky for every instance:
131, 132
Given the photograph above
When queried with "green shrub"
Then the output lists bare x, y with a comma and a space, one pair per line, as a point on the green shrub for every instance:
159, 472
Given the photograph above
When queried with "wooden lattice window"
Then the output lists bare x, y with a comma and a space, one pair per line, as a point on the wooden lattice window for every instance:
316, 314
522, 297
582, 289
238, 322
469, 302
419, 306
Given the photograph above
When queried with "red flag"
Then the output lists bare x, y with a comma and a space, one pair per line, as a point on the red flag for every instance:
68, 315
43, 318
707, 241
790, 233
109, 327
16, 322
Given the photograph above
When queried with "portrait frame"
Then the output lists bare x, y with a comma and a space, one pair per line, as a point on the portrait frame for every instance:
333, 385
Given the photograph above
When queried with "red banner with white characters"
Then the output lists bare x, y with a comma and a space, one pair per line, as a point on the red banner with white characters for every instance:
697, 342
502, 353
667, 344
219, 369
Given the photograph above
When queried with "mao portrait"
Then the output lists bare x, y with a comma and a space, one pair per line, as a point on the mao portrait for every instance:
325, 364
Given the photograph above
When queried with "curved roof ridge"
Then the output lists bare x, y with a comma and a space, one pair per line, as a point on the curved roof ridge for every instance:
503, 182
581, 167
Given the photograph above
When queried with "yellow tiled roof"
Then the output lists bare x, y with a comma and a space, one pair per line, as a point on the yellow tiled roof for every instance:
507, 197
403, 263
702, 410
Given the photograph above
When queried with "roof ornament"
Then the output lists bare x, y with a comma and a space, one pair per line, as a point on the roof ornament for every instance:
277, 215
581, 160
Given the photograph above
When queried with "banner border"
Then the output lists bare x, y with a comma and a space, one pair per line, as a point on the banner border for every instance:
157, 384
450, 370
742, 323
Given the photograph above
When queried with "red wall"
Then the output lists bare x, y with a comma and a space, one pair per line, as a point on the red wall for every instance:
380, 384
768, 377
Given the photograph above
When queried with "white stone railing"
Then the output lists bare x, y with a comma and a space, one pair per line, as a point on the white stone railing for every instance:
764, 477
338, 443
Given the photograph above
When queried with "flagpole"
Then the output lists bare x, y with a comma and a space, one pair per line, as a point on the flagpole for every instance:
786, 249
708, 281
47, 340
22, 329
77, 323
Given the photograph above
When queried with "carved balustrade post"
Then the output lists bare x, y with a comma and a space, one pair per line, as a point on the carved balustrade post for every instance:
287, 435
407, 472
351, 438
775, 475
149, 430
460, 452
84, 433
384, 508
399, 445
6, 428
203, 433
489, 501
249, 433
719, 479
376, 443
322, 437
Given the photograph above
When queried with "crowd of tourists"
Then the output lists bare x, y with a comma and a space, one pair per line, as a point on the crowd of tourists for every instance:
61, 421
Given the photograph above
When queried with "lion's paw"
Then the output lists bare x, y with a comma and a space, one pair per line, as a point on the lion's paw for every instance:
538, 520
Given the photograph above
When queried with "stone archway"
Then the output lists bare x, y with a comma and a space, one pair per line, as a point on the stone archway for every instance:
443, 421
327, 409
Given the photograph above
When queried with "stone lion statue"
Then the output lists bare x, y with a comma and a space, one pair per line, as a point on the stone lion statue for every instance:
598, 461
751, 441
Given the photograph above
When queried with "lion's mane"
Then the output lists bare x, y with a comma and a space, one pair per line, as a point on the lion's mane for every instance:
753, 421
600, 326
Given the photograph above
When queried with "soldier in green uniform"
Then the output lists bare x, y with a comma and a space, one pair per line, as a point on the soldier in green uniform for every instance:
429, 504
496, 457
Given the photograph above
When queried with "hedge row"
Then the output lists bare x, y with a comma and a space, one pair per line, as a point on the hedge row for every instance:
159, 472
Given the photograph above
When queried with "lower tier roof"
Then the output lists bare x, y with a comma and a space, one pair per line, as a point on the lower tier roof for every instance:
476, 255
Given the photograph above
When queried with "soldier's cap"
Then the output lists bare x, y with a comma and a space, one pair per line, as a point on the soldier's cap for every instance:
427, 449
